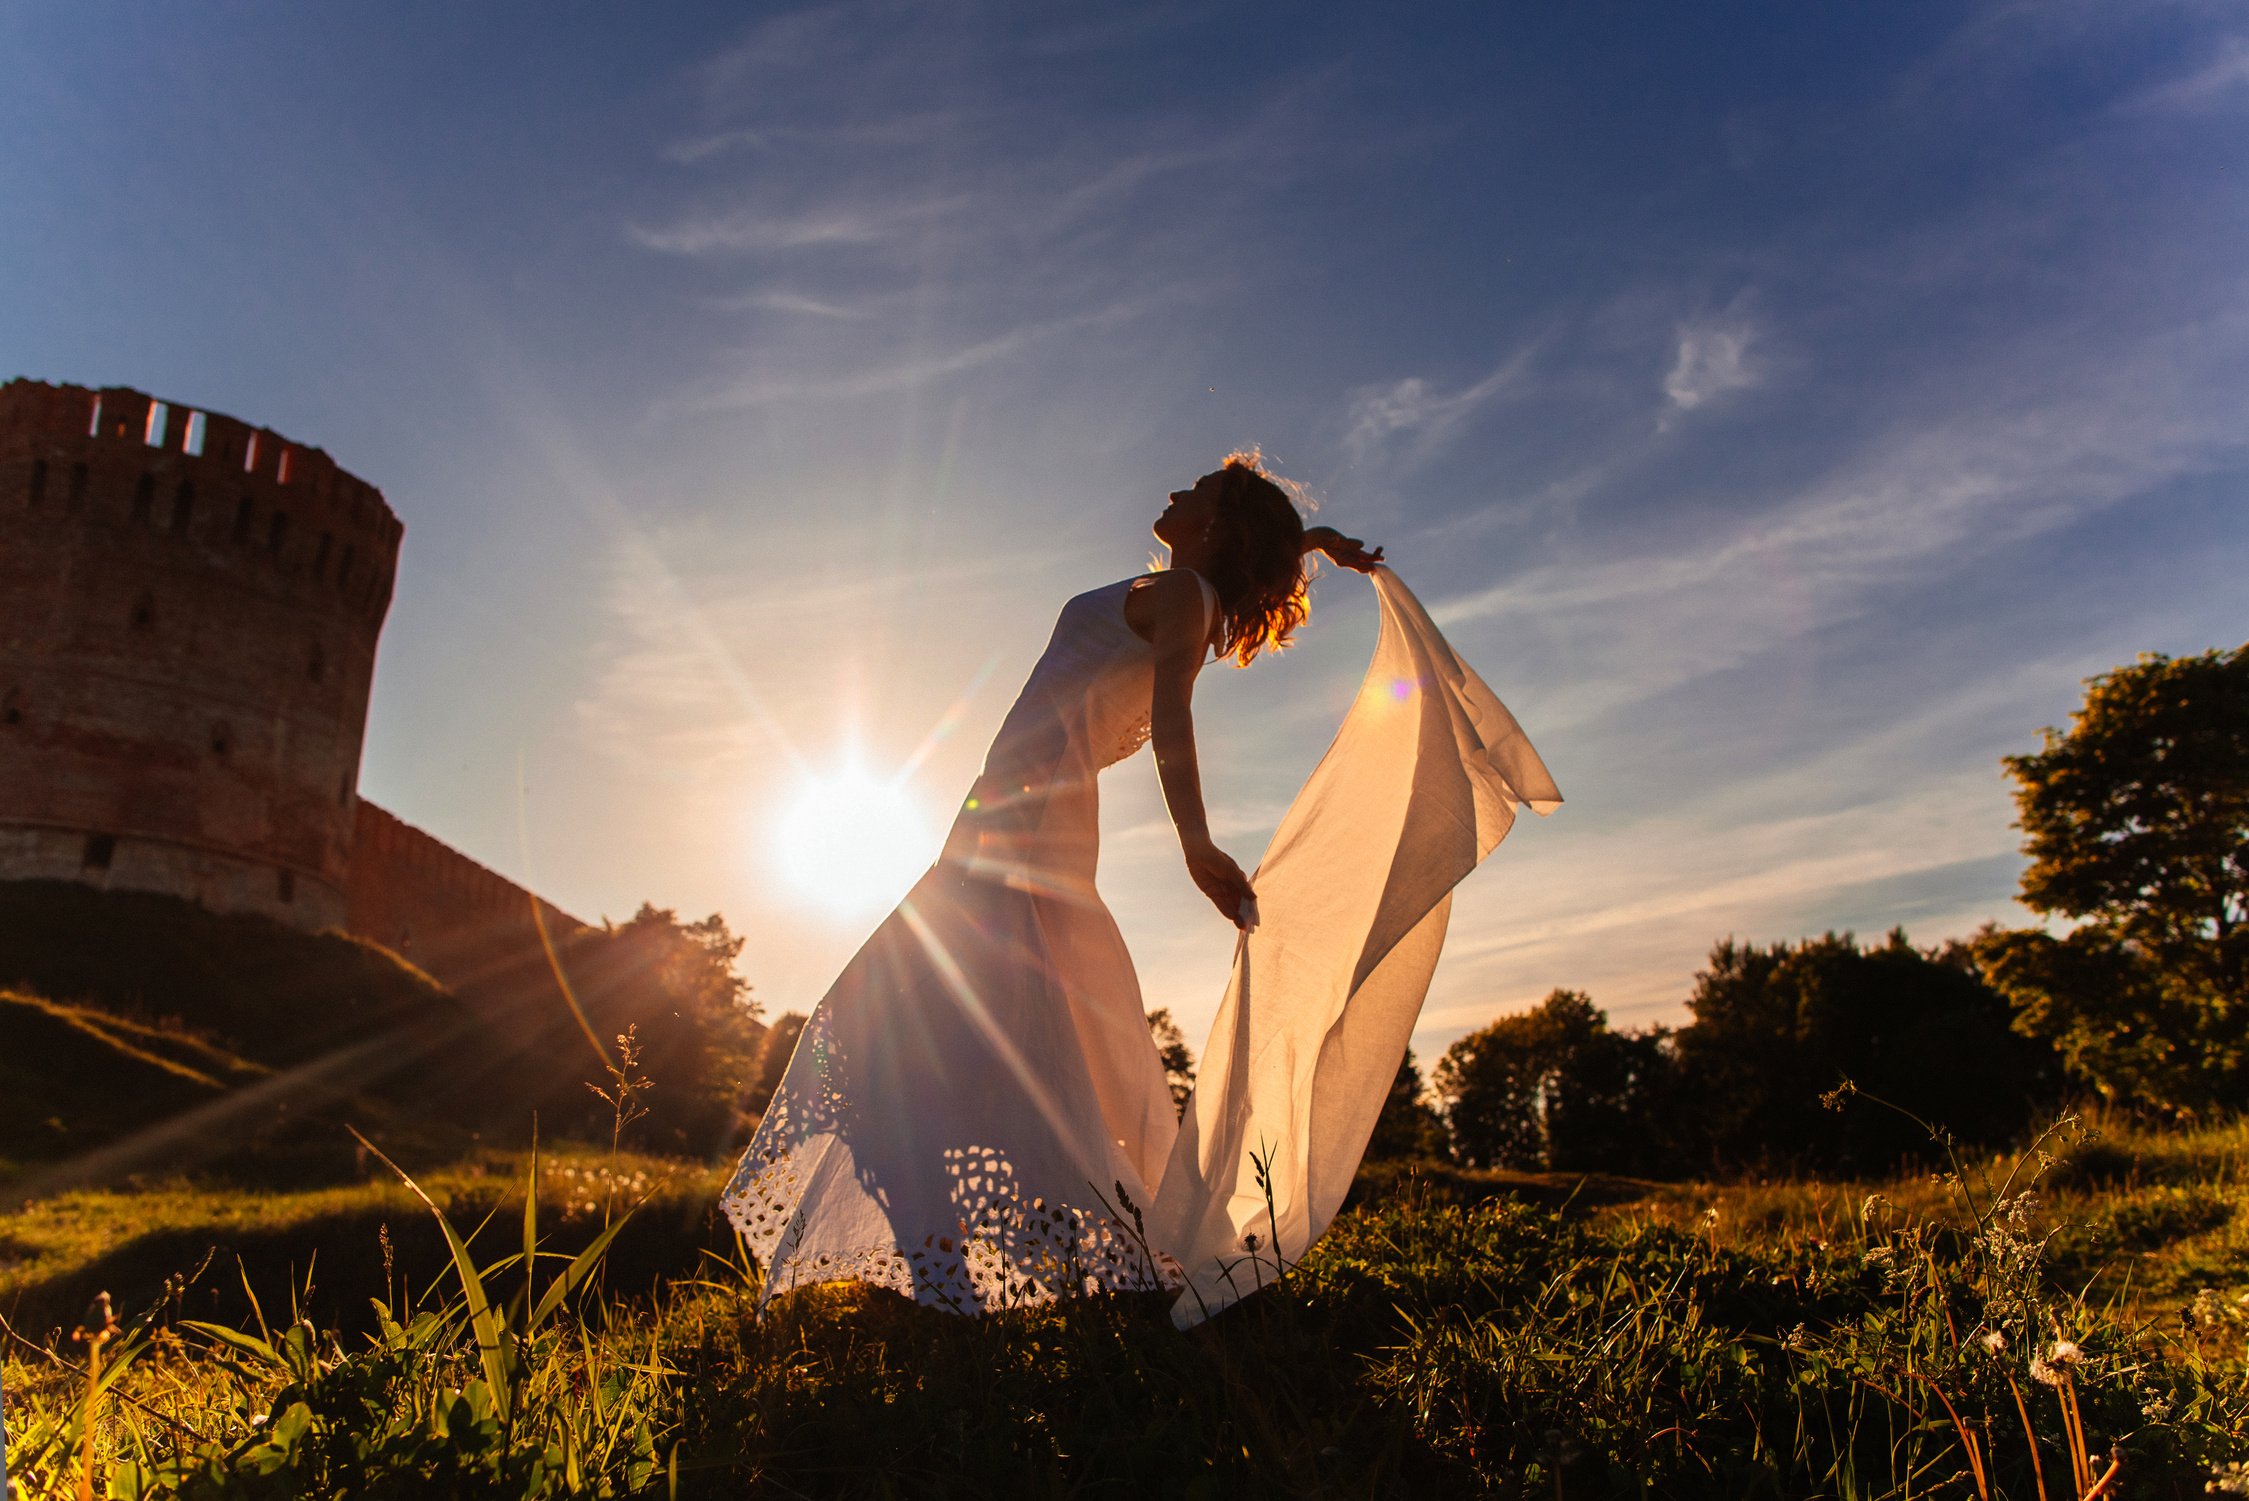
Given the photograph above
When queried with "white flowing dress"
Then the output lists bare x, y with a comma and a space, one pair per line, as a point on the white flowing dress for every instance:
976, 1116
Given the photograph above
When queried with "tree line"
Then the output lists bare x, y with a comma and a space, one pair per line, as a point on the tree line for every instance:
2136, 825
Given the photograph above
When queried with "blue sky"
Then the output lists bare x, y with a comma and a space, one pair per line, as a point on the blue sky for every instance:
1783, 406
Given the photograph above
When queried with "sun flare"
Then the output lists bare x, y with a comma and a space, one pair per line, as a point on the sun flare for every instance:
851, 842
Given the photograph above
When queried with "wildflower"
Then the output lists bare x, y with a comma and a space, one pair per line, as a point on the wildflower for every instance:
2156, 1409
2229, 1480
2208, 1308
2052, 1367
97, 1325
1993, 1341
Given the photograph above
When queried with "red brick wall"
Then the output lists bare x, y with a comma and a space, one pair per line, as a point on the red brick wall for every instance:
470, 928
186, 644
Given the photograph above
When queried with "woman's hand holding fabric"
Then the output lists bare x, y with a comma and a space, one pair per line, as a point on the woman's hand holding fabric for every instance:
1217, 876
1350, 552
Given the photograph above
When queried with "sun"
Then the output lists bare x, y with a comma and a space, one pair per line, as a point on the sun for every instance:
851, 842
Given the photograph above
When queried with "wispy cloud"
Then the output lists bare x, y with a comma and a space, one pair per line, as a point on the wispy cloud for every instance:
1424, 419
1917, 497
875, 171
750, 231
780, 300
2222, 79
768, 386
1711, 359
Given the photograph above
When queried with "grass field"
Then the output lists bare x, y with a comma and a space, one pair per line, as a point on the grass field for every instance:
1453, 1334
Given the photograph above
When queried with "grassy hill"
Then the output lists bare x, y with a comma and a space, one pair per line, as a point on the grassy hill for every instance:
269, 993
74, 1076
139, 1032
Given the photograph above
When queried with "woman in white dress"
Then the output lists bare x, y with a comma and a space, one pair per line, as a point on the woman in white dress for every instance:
975, 1115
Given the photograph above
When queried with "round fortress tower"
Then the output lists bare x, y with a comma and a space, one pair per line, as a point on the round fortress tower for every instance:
188, 614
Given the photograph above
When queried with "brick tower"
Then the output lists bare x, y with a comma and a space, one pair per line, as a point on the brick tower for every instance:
188, 614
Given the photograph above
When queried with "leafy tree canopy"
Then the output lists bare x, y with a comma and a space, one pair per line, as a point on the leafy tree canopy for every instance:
1409, 1126
1554, 1088
1776, 1027
2137, 817
2136, 822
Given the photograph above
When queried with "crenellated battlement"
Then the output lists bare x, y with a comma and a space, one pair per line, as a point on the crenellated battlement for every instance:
189, 613
120, 457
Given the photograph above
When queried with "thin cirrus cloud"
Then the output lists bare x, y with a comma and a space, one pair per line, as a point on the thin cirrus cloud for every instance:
1416, 416
2221, 81
1912, 500
752, 231
796, 304
768, 385
1712, 359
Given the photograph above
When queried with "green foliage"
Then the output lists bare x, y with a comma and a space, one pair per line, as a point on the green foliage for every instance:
483, 1392
1774, 1028
674, 986
2113, 1019
1409, 1128
1421, 1348
1555, 1088
773, 1054
1177, 1059
2136, 822
131, 1235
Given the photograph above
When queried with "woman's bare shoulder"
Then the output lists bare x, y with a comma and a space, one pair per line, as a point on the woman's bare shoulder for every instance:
1169, 597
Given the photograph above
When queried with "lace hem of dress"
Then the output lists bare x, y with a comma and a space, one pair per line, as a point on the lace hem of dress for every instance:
1134, 736
1003, 1252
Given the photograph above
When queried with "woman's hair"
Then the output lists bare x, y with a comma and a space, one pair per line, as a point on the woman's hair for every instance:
1259, 568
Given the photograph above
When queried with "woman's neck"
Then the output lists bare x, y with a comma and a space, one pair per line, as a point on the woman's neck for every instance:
1194, 555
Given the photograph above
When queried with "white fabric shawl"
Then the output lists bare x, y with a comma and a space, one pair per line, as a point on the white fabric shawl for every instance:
1419, 785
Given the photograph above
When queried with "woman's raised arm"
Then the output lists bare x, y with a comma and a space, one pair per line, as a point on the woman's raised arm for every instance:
1182, 642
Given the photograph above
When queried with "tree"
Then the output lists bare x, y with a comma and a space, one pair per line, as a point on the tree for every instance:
2136, 822
2108, 1015
1554, 1088
675, 984
773, 1058
1179, 1063
1777, 1027
1409, 1126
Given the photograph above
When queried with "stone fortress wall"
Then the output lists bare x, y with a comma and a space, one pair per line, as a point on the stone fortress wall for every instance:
189, 610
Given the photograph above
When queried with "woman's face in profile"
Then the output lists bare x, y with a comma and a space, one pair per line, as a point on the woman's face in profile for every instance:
1191, 511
